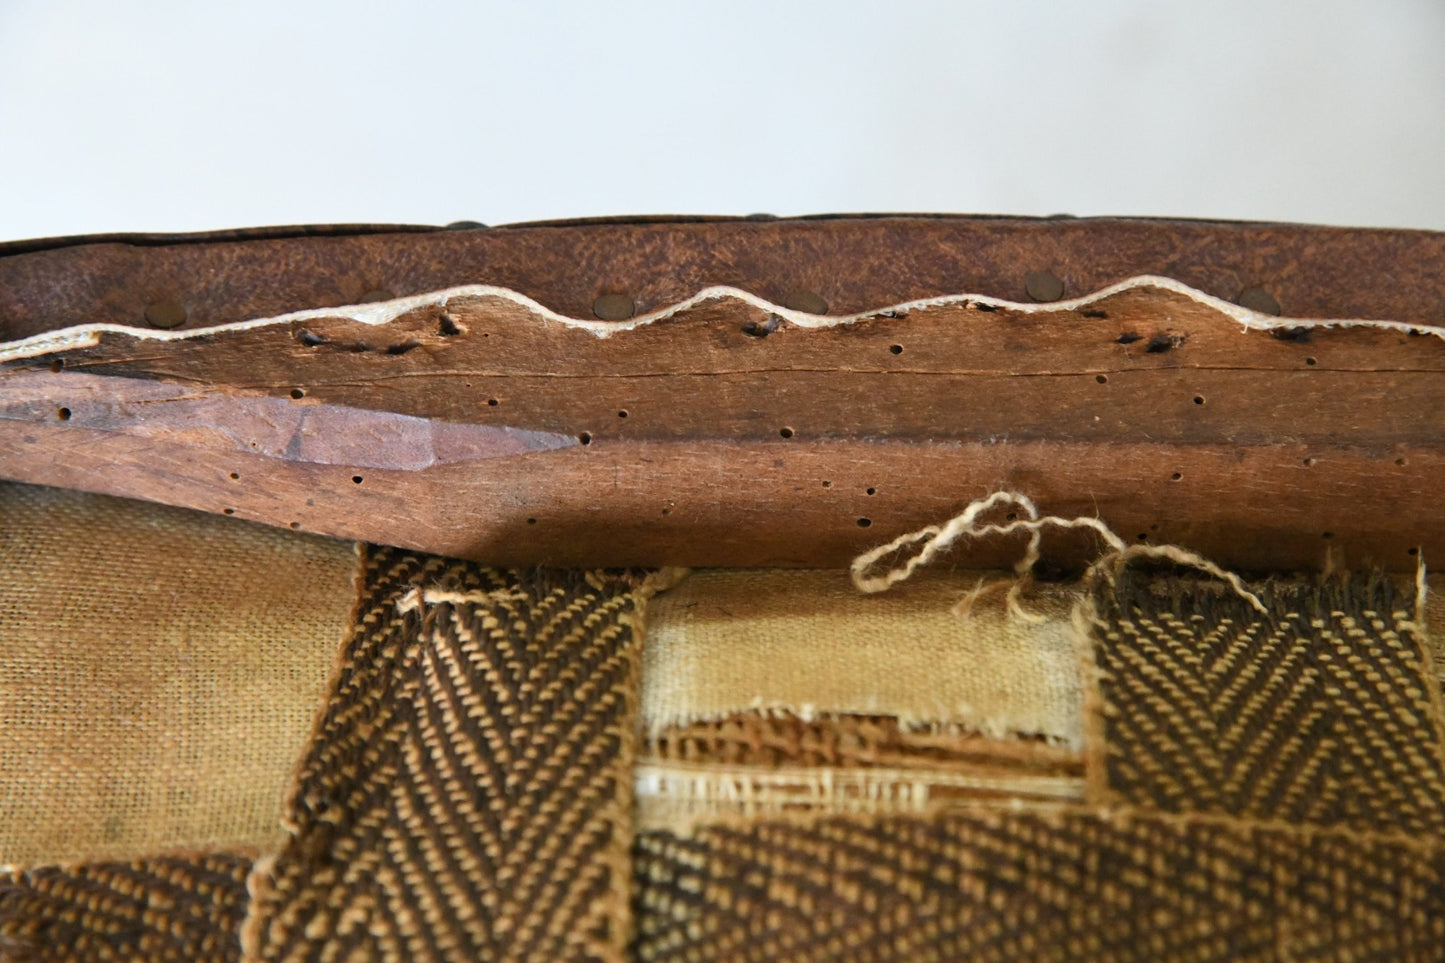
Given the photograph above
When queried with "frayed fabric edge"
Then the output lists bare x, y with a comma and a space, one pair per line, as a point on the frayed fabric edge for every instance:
911, 723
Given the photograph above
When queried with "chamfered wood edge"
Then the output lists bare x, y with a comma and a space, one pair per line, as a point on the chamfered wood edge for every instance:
818, 505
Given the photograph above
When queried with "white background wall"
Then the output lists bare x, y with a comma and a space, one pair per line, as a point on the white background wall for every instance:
175, 116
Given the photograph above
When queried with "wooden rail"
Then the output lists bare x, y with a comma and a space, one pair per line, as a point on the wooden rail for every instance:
735, 433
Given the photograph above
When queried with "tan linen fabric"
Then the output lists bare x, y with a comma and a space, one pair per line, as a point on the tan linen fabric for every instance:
159, 672
808, 643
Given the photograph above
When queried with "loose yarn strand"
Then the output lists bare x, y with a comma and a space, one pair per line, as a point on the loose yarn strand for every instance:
936, 539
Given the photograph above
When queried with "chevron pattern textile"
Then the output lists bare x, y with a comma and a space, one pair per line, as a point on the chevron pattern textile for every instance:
186, 909
1325, 713
1042, 886
468, 790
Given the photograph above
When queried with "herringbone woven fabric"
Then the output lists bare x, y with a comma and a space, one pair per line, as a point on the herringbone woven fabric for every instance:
186, 909
468, 792
1327, 712
1002, 886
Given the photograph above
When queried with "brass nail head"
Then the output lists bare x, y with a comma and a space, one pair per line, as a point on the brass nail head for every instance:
1258, 299
165, 314
614, 307
808, 302
1043, 286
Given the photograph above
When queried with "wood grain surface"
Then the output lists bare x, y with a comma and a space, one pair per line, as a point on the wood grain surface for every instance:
727, 435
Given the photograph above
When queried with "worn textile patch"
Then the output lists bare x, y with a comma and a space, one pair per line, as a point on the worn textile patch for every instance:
768, 764
467, 794
679, 797
808, 643
1008, 885
1327, 712
849, 741
186, 909
159, 674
